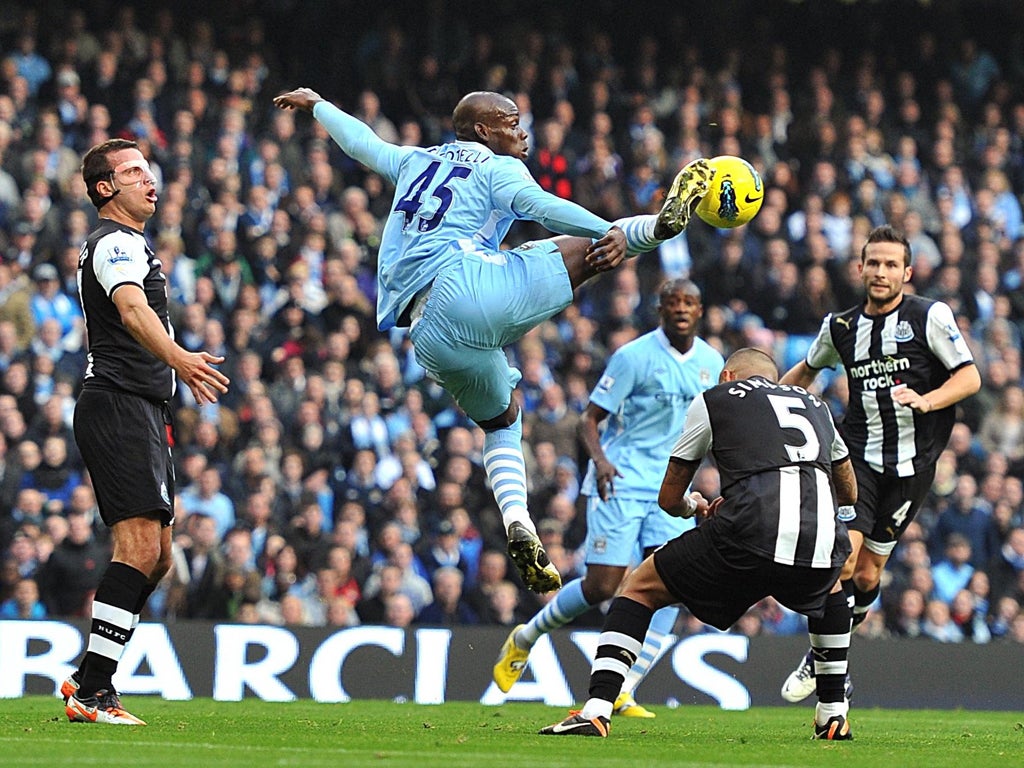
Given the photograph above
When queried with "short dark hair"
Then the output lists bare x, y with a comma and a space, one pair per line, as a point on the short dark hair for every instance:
96, 167
887, 234
678, 285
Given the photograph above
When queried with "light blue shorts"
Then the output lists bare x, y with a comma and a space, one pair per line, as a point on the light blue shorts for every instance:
619, 530
479, 305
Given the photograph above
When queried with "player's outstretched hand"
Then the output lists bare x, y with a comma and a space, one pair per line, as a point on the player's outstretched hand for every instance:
206, 382
608, 252
301, 98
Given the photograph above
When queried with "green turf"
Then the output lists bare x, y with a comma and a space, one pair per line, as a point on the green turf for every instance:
255, 734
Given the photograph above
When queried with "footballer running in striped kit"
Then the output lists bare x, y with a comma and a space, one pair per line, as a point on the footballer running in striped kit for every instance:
907, 366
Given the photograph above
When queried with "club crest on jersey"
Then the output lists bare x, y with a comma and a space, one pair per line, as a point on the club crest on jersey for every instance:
846, 514
903, 332
705, 376
116, 255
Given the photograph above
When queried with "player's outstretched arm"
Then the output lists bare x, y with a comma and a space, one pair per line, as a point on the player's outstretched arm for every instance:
355, 137
194, 369
563, 217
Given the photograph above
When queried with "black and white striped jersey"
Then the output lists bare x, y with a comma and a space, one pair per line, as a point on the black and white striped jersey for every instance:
916, 345
112, 256
774, 446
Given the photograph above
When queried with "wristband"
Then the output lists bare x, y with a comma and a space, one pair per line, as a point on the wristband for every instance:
691, 506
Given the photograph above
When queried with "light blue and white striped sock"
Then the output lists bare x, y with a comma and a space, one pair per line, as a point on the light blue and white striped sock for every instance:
567, 605
506, 470
639, 232
658, 638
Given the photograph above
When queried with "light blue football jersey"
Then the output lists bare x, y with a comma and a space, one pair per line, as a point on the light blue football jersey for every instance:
449, 200
646, 388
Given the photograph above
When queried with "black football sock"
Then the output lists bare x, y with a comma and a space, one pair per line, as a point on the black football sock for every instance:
830, 646
862, 602
139, 605
112, 612
621, 640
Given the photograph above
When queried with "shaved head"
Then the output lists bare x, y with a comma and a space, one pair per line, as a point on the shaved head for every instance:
477, 107
747, 362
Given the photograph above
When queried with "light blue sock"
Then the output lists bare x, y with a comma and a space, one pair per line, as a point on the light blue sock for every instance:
659, 636
639, 232
567, 605
506, 470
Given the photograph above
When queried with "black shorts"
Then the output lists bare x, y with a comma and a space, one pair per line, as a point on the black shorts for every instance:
718, 581
125, 441
886, 503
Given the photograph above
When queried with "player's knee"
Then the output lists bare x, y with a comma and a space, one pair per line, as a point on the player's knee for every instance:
139, 551
505, 419
163, 565
866, 577
597, 590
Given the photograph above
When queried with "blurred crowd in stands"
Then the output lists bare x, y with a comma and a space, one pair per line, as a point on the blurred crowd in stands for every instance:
335, 485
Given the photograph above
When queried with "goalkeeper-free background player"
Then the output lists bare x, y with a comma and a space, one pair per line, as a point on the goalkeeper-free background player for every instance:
442, 273
633, 419
907, 365
123, 424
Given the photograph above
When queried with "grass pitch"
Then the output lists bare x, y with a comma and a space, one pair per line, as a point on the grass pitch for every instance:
202, 732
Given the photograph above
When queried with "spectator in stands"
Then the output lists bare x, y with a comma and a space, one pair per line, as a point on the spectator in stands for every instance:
70, 577
17, 323
448, 609
907, 620
505, 610
24, 551
309, 536
208, 499
967, 616
953, 572
203, 582
54, 475
25, 604
379, 587
967, 514
1002, 430
342, 613
1005, 567
50, 303
938, 623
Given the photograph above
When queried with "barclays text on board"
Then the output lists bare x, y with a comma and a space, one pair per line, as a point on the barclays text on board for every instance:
230, 662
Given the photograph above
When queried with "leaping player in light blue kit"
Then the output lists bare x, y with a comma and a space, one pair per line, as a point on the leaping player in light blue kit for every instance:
442, 273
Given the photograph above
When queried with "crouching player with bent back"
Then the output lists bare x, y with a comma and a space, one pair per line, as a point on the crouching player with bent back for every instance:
774, 531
